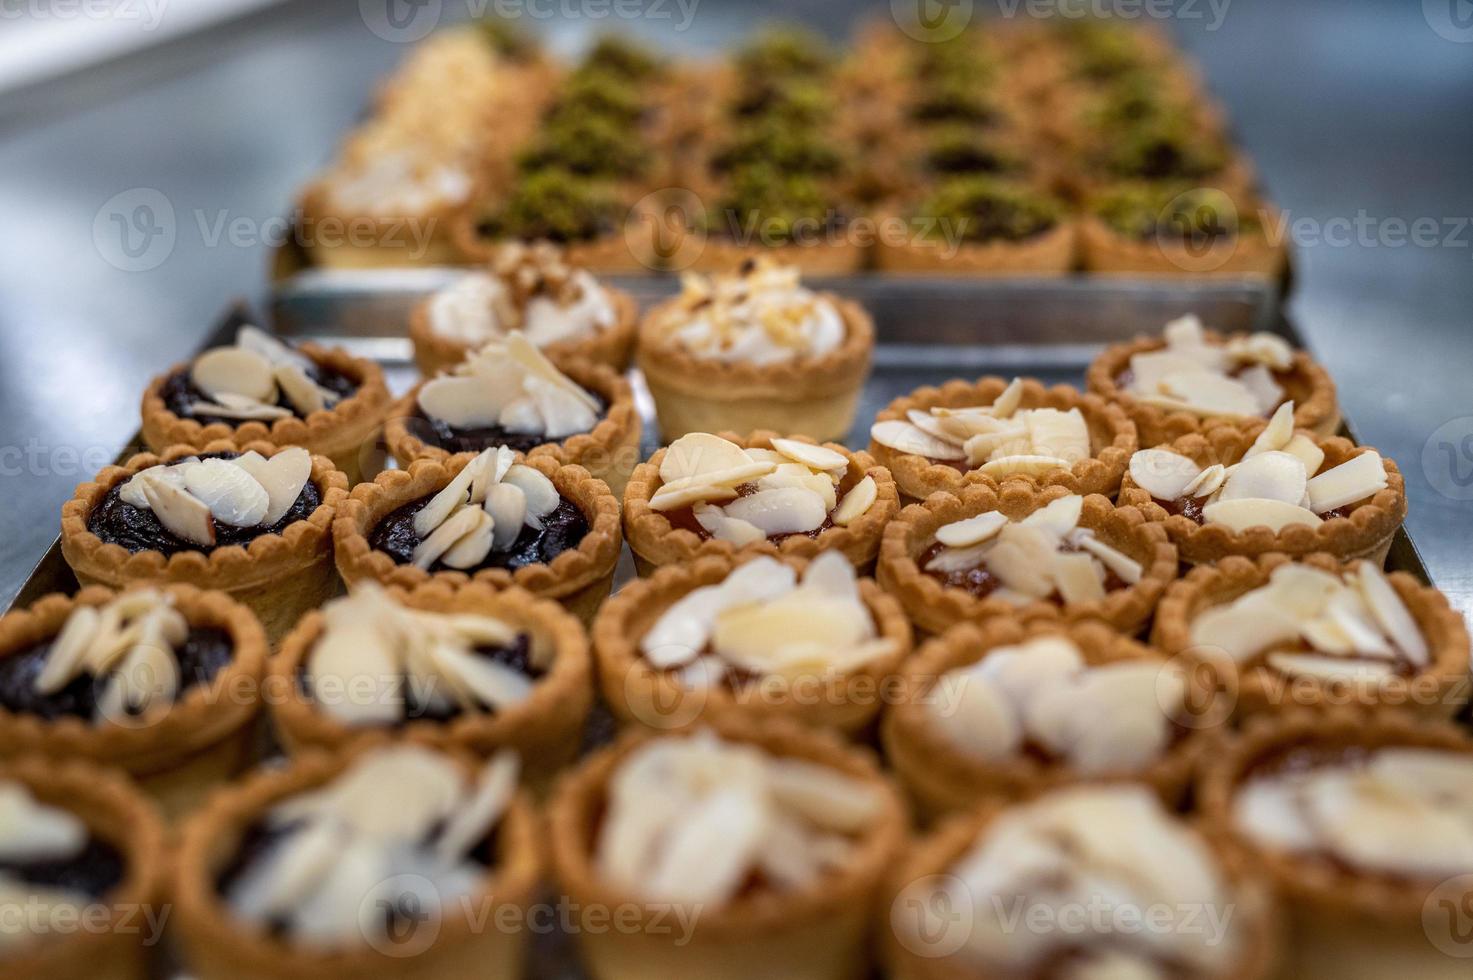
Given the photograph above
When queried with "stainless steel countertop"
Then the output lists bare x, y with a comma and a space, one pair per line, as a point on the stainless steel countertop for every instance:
1357, 113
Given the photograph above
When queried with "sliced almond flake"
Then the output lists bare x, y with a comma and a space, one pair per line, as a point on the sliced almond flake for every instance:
399, 792
823, 797
724, 528
1148, 368
1055, 433
147, 675
496, 785
1352, 481
36, 831
796, 634
1327, 668
1035, 466
972, 530
471, 548
682, 632
1382, 832
1184, 331
329, 917
1163, 474
785, 511
1058, 517
462, 402
1021, 558
1260, 382
702, 674
354, 671
1347, 611
1005, 404
67, 658
1240, 515
815, 457
1208, 482
856, 503
787, 856
1006, 441
1210, 393
699, 453
1326, 636
798, 475
464, 522
521, 417
906, 438
562, 412
946, 428
1129, 740
452, 496
507, 505
1391, 614
541, 493
488, 683
1437, 775
976, 716
1267, 476
1269, 350
1242, 629
686, 495
180, 512
949, 560
257, 341
280, 880
283, 476
830, 574
234, 371
1268, 811
305, 395
233, 496
132, 491
759, 455
1078, 579
1277, 434
476, 629
491, 472
1301, 590
710, 853
241, 413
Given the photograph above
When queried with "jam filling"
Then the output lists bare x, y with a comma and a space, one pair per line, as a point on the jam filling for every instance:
94, 872
137, 529
179, 393
562, 529
981, 583
1192, 509
685, 517
474, 439
205, 652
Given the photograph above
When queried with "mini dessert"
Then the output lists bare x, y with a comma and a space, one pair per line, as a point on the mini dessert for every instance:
984, 432
1228, 491
81, 866
982, 225
750, 636
321, 399
1191, 377
1363, 825
1110, 884
1019, 552
476, 668
161, 682
755, 350
707, 494
764, 848
759, 210
509, 394
253, 521
1006, 710
551, 529
563, 311
1275, 633
1162, 230
378, 862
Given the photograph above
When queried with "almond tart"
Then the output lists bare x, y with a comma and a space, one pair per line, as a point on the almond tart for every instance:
509, 394
752, 636
1080, 883
562, 309
388, 860
81, 869
1362, 822
251, 520
747, 851
322, 399
725, 494
1273, 634
992, 429
473, 668
1010, 708
161, 682
1191, 377
493, 517
1231, 491
1021, 552
755, 349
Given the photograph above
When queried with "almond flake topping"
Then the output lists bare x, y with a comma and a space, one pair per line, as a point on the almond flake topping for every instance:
482, 509
188, 497
763, 621
1074, 848
512, 384
35, 832
400, 817
1191, 375
258, 378
695, 820
1310, 623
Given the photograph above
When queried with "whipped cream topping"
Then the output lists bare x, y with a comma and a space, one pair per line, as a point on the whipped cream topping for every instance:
1190, 374
695, 820
1310, 623
481, 510
1401, 811
762, 621
747, 495
36, 832
528, 288
399, 829
1279, 482
190, 495
397, 184
510, 384
256, 379
372, 646
999, 440
1101, 874
1045, 555
1110, 718
761, 315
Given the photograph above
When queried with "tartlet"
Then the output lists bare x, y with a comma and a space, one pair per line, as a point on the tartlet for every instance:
177, 733
923, 462
774, 641
982, 226
278, 574
813, 929
942, 584
592, 410
564, 310
320, 398
543, 723
1355, 908
225, 863
1289, 375
579, 575
1356, 520
958, 736
663, 526
805, 359
1273, 634
1197, 233
120, 866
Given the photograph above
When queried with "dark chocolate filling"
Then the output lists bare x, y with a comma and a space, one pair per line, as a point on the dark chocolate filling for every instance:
561, 530
95, 871
474, 439
179, 393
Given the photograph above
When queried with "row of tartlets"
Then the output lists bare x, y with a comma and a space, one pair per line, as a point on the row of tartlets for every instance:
1029, 571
